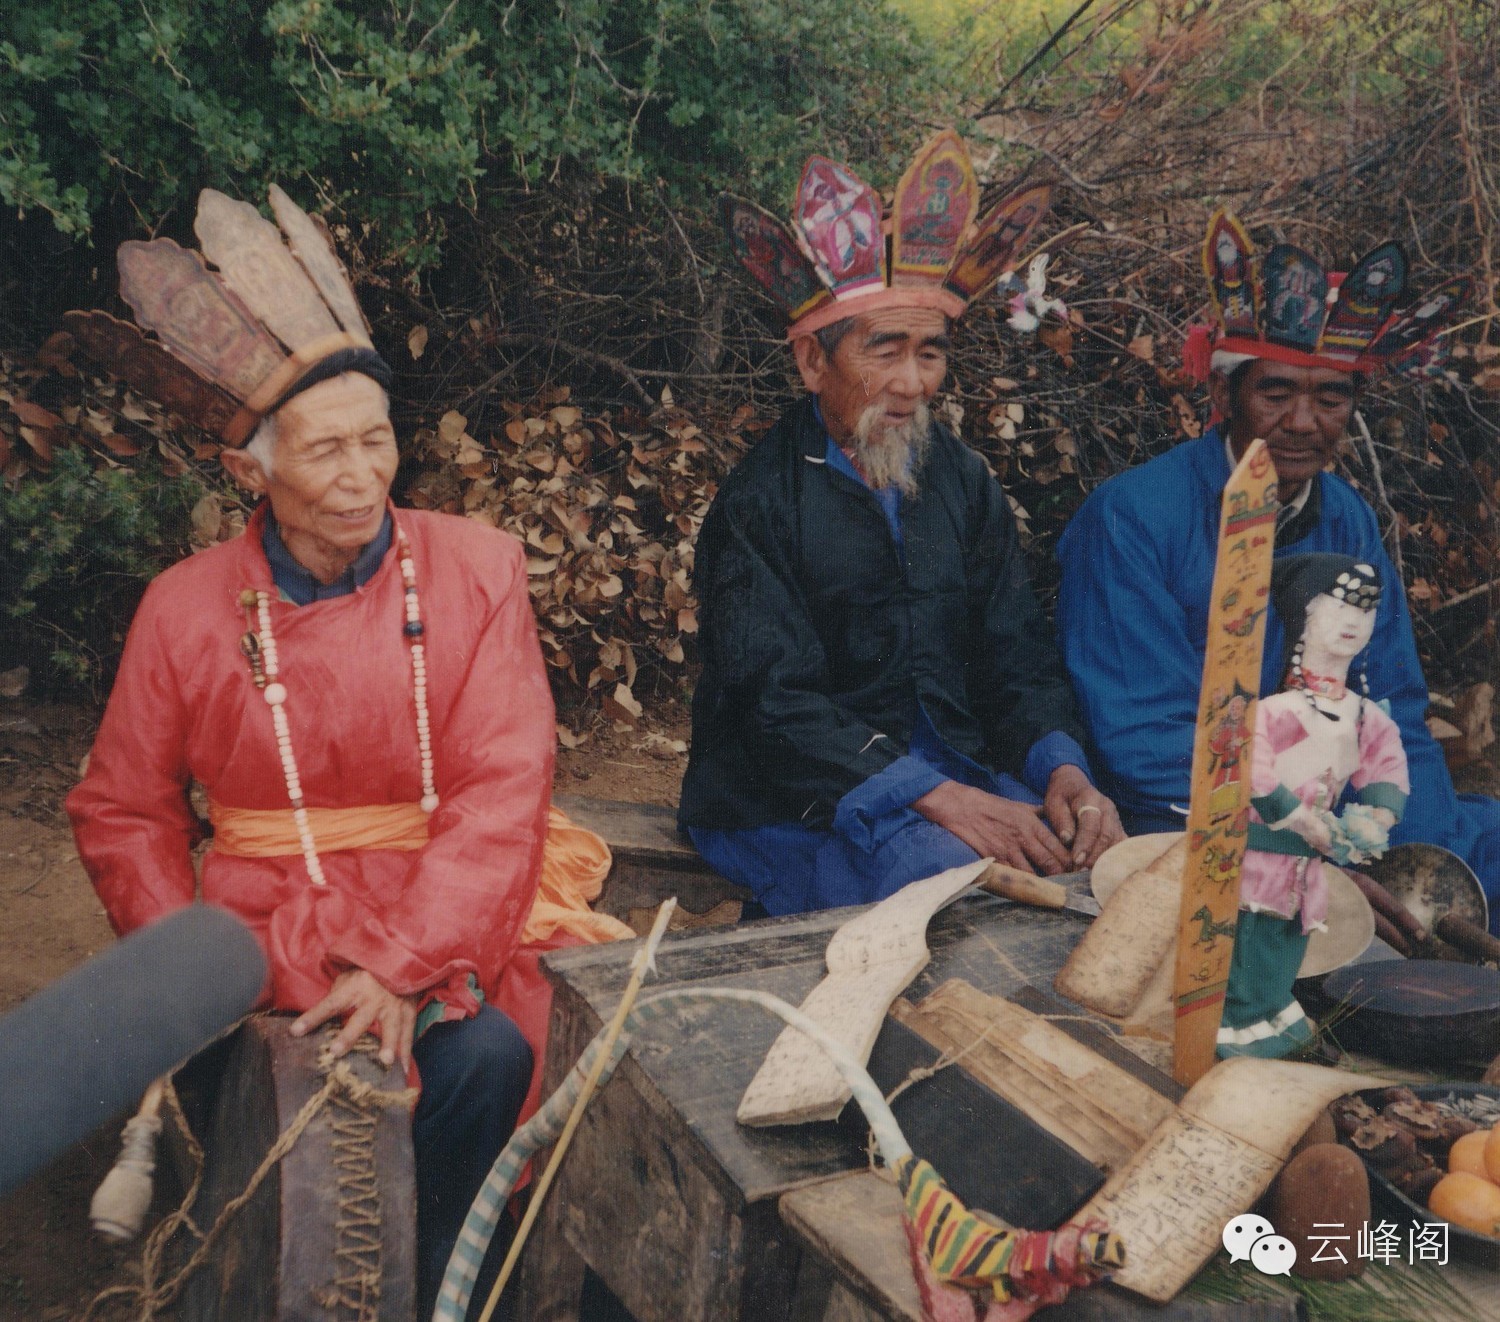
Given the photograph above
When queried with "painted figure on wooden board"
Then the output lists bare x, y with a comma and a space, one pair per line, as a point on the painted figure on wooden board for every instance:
1313, 740
1226, 746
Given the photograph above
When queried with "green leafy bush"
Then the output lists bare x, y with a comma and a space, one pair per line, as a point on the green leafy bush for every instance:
77, 546
387, 112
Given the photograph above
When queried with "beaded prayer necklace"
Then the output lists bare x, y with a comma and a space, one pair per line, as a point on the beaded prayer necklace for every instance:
265, 669
1313, 686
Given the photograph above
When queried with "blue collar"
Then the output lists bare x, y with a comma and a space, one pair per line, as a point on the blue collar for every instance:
296, 585
889, 498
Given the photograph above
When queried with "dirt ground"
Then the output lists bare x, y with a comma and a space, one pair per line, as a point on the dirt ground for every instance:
51, 1266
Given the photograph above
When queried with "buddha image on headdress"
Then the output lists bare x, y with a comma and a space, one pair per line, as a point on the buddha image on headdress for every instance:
836, 222
936, 225
1296, 307
1234, 278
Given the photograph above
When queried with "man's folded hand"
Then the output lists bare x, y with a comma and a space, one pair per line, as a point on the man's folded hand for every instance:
367, 1005
1002, 829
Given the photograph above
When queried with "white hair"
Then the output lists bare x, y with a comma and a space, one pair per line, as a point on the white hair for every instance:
262, 443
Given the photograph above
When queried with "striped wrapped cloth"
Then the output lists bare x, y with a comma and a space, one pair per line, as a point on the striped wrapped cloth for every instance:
966, 1249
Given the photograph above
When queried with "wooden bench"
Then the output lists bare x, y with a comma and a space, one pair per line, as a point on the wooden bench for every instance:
652, 861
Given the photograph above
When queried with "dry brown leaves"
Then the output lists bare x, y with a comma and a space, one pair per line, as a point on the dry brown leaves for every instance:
49, 402
608, 509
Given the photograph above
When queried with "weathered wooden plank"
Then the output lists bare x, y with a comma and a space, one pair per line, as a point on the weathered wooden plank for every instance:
853, 1223
644, 832
639, 1199
651, 861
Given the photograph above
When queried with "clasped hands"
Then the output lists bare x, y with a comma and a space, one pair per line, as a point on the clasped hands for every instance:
1068, 831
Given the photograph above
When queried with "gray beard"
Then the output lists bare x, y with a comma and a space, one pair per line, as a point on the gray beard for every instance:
890, 456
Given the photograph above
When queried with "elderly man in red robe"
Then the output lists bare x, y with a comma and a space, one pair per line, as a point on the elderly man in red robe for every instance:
360, 693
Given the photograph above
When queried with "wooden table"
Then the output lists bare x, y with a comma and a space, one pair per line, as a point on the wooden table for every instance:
676, 1207
663, 1195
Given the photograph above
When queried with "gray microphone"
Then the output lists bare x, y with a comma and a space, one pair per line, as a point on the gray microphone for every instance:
83, 1050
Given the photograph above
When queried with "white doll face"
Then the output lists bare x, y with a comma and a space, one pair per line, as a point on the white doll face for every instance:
1337, 628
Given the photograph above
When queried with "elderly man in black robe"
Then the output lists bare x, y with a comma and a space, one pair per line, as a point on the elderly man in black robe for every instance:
881, 698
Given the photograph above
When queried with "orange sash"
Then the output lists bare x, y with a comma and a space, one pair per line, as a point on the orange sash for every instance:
574, 861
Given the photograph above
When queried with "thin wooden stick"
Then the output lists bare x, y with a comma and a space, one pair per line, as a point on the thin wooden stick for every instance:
644, 960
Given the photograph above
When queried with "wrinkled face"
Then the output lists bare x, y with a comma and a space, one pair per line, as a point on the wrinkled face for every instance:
890, 362
1300, 412
333, 464
1337, 628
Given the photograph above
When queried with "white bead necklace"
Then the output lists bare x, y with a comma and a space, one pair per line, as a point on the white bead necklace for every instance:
265, 668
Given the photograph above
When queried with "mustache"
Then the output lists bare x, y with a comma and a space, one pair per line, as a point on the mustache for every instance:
889, 454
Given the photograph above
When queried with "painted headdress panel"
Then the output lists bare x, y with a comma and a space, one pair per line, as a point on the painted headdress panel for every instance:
844, 254
1285, 306
237, 326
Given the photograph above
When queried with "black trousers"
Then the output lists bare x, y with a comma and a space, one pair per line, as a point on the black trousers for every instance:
475, 1073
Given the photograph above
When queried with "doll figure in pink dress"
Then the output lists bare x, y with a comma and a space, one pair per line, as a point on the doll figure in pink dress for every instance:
1328, 782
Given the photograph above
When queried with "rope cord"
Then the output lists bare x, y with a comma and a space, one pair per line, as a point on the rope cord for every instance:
355, 1104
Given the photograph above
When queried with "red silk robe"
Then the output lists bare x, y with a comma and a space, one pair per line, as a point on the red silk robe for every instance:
184, 707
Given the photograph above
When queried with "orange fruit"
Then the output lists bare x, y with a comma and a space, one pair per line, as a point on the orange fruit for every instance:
1468, 1201
1492, 1154
1467, 1154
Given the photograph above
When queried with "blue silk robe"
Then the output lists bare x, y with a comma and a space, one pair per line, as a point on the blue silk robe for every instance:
1137, 569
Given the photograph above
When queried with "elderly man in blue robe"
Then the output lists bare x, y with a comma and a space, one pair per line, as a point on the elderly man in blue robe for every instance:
1284, 365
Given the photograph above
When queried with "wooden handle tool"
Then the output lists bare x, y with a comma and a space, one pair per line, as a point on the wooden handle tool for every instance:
1013, 884
1459, 932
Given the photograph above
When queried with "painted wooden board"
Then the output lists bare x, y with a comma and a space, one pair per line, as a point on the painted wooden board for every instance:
1219, 811
871, 960
1098, 1109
